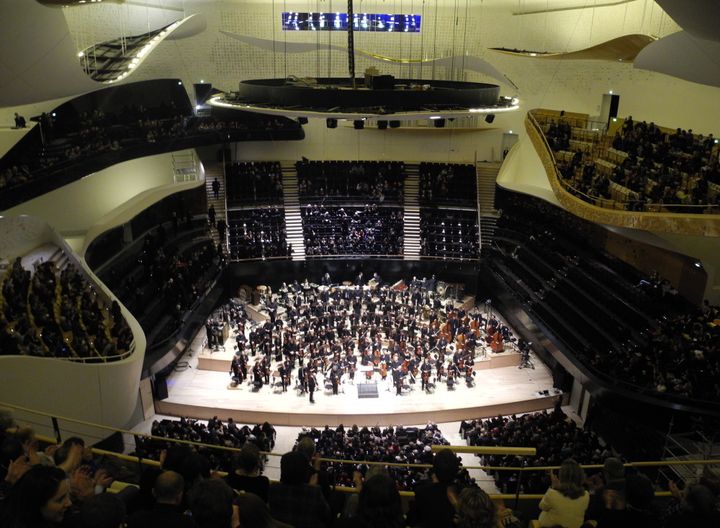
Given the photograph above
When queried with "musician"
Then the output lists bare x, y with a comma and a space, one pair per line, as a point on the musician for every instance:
284, 376
335, 373
257, 376
452, 373
302, 379
311, 384
426, 371
397, 380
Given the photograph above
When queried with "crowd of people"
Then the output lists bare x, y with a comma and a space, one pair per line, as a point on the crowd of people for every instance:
49, 312
402, 335
258, 233
554, 435
365, 181
682, 356
447, 183
369, 230
254, 182
166, 279
399, 444
655, 166
452, 234
68, 486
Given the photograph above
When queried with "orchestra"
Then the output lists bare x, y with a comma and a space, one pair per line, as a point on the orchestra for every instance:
376, 331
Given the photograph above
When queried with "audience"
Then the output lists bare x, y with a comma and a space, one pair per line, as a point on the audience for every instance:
652, 166
553, 434
448, 183
168, 491
449, 234
247, 472
40, 498
391, 444
58, 313
432, 507
254, 182
371, 230
364, 181
258, 233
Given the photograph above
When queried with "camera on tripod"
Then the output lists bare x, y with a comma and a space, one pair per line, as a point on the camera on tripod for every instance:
525, 347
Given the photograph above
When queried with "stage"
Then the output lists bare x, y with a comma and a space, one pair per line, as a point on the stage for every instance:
503, 390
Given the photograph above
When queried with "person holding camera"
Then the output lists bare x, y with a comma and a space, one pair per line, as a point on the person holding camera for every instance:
433, 507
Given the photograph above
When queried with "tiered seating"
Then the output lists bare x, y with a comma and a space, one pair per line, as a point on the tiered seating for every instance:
369, 230
643, 167
446, 183
553, 434
449, 234
391, 444
53, 313
258, 233
626, 327
254, 182
350, 181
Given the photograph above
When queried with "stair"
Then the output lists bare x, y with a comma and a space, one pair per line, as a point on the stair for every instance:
293, 219
486, 174
216, 170
411, 213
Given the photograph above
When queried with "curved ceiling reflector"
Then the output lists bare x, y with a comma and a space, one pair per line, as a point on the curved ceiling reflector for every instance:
621, 49
699, 17
685, 56
113, 60
469, 62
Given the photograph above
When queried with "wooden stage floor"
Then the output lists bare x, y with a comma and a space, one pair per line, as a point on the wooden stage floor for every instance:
505, 390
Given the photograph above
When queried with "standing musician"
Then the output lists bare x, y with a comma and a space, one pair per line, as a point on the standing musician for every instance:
452, 373
426, 372
284, 374
311, 384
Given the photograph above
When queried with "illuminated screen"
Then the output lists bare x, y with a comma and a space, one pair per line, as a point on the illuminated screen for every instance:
293, 21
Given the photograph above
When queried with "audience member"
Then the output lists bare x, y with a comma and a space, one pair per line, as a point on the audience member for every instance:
211, 504
258, 233
40, 498
168, 492
347, 181
447, 183
475, 509
246, 475
452, 234
432, 507
379, 505
293, 500
564, 504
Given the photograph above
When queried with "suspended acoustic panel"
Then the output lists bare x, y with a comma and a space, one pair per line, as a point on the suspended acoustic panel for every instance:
701, 18
469, 62
621, 49
65, 3
684, 56
111, 61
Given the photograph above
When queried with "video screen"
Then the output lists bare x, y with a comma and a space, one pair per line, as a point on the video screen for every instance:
294, 21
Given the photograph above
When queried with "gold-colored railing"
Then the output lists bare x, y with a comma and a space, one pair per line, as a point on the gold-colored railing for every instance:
600, 210
478, 450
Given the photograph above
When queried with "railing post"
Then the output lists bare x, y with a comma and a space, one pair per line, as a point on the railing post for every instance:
517, 486
56, 428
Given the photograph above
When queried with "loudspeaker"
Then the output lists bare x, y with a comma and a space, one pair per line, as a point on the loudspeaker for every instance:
331, 123
490, 118
359, 124
614, 105
394, 124
382, 125
202, 92
303, 120
159, 386
439, 123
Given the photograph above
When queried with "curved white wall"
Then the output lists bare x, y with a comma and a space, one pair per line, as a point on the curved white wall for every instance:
100, 393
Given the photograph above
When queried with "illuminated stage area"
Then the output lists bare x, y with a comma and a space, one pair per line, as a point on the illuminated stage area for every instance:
497, 384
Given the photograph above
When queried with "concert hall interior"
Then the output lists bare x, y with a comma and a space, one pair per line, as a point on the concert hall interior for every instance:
364, 232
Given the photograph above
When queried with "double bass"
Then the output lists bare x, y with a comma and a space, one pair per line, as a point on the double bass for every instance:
497, 344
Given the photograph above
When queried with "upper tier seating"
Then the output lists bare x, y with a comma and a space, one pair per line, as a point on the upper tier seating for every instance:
258, 233
446, 183
350, 181
642, 168
254, 183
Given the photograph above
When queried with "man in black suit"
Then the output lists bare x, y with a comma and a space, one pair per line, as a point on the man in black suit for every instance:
432, 507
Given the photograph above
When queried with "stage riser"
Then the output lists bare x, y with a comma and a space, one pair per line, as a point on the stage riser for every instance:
320, 419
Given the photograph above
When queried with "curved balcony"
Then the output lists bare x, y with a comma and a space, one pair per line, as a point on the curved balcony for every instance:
698, 220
